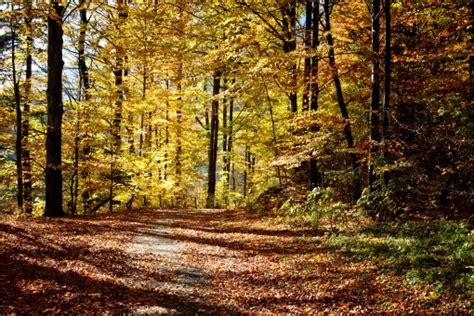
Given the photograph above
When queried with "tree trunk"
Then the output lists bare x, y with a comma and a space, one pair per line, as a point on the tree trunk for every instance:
119, 74
17, 97
167, 136
289, 45
85, 82
388, 79
246, 171
214, 127
225, 154
27, 183
315, 58
340, 98
307, 59
179, 132
54, 179
375, 97
230, 140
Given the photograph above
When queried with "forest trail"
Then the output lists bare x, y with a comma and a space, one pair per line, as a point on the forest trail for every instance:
189, 262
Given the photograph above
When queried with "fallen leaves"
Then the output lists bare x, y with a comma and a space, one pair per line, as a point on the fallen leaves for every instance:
190, 262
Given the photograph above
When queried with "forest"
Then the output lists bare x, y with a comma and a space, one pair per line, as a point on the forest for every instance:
236, 156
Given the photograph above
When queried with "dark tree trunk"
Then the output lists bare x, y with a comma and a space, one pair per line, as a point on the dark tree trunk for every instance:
340, 98
179, 113
167, 136
179, 135
214, 128
375, 97
27, 182
54, 179
307, 59
315, 58
117, 122
17, 97
119, 74
388, 79
246, 171
84, 78
289, 45
229, 141
225, 137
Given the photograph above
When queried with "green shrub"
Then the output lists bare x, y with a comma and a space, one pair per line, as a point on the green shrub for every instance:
439, 253
317, 205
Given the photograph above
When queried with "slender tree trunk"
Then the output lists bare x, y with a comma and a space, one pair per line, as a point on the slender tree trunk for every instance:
179, 132
471, 80
85, 82
246, 171
289, 45
75, 175
230, 140
225, 155
119, 74
142, 126
214, 128
179, 111
375, 98
17, 97
307, 59
27, 182
388, 79
315, 58
340, 98
54, 179
167, 137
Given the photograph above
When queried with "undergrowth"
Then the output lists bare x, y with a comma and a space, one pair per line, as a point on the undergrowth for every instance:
439, 253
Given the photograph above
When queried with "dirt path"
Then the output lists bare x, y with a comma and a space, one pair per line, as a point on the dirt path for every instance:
190, 262
155, 242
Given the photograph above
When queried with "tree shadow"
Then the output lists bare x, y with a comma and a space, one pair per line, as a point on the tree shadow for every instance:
36, 275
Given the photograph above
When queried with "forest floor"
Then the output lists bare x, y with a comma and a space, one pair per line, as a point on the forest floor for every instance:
192, 262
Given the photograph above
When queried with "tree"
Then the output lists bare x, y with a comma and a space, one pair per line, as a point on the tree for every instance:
27, 172
17, 98
213, 131
375, 97
53, 172
340, 96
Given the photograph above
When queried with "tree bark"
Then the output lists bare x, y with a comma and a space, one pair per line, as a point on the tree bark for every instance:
340, 98
214, 127
230, 140
53, 181
375, 95
119, 74
388, 79
179, 135
225, 154
85, 82
307, 59
27, 182
17, 97
289, 44
315, 58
